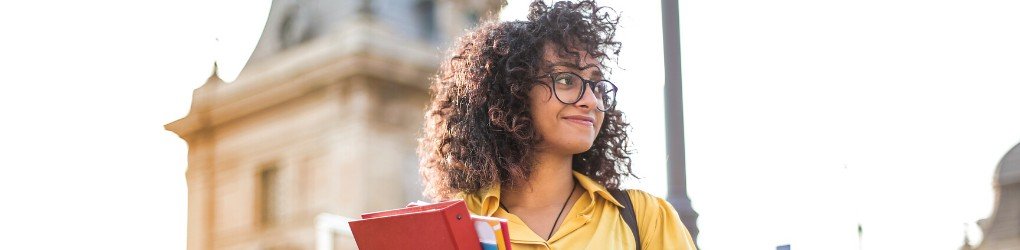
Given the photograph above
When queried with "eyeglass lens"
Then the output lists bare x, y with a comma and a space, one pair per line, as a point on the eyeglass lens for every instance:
568, 89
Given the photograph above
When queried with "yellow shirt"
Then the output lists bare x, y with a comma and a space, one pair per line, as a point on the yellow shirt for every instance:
593, 222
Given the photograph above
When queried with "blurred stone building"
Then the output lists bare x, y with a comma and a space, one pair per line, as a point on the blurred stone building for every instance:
1002, 230
322, 119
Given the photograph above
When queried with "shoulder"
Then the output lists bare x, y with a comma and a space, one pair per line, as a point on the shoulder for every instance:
646, 204
658, 223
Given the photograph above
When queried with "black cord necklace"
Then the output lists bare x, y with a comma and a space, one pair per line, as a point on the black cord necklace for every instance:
553, 229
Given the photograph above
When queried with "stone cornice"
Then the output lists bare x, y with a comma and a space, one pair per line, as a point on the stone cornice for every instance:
361, 48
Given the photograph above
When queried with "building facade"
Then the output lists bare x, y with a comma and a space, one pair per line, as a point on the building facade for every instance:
322, 119
1002, 230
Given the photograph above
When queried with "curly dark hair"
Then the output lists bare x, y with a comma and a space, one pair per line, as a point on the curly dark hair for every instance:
478, 129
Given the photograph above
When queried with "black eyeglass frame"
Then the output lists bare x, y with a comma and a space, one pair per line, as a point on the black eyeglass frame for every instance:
585, 83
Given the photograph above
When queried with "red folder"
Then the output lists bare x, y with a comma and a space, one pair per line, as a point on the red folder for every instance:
444, 225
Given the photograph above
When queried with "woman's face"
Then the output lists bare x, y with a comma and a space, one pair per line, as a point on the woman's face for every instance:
566, 128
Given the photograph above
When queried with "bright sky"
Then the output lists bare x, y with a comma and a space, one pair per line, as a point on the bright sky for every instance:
803, 117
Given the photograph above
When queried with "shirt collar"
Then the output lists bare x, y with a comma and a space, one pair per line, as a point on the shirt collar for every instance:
486, 201
594, 188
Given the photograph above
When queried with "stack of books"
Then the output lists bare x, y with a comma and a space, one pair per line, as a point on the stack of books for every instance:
443, 225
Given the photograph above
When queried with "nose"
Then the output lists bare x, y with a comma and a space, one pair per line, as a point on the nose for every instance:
588, 100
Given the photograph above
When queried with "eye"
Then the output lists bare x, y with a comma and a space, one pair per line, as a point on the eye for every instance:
563, 81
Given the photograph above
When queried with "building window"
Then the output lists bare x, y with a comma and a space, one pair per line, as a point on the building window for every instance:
473, 18
270, 196
426, 12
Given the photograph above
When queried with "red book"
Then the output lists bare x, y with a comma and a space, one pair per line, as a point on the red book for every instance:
444, 225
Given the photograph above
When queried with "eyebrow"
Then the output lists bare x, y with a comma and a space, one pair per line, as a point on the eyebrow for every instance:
596, 73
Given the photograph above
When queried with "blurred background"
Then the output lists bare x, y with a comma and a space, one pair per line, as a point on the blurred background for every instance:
237, 124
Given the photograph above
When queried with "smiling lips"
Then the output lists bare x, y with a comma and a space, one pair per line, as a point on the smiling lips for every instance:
580, 119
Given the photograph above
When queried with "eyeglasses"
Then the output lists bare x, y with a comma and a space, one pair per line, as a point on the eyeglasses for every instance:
569, 88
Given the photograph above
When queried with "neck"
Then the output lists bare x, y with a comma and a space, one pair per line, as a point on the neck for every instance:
550, 181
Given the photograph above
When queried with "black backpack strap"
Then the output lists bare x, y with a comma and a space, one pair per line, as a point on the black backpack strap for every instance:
627, 213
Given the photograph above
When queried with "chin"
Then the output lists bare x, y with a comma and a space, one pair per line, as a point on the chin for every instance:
580, 147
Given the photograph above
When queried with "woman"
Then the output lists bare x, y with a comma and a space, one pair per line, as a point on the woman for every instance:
523, 126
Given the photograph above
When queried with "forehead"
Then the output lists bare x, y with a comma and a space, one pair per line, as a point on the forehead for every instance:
553, 60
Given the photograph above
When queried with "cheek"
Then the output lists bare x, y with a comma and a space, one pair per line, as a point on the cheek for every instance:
539, 95
542, 112
539, 100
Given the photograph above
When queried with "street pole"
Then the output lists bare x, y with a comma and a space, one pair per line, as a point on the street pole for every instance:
675, 161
